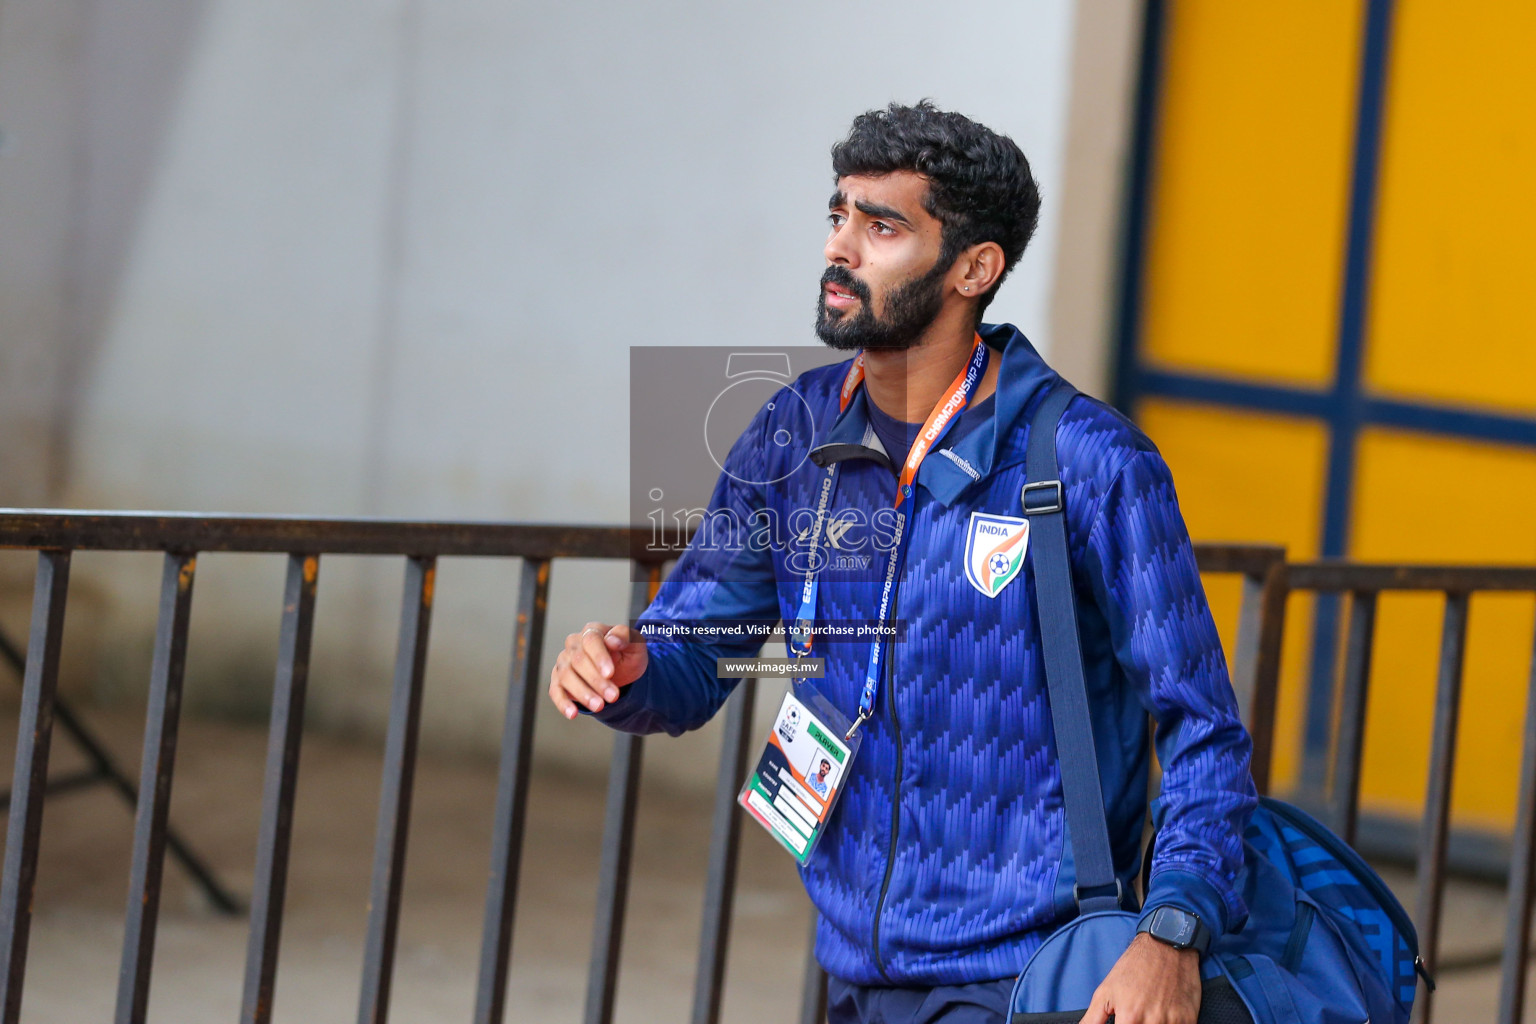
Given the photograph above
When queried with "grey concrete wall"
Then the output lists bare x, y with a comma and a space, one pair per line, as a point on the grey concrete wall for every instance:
87, 88
39, 57
334, 257
1105, 50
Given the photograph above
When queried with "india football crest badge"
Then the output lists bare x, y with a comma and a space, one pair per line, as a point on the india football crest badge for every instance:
994, 551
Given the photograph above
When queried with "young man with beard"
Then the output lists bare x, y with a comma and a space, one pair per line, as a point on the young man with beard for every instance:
946, 863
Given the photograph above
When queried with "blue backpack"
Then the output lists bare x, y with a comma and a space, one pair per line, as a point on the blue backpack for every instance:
1325, 941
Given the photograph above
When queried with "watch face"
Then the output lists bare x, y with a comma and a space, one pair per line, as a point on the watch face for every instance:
1173, 926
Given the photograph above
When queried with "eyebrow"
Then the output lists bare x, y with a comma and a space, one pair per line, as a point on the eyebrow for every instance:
869, 209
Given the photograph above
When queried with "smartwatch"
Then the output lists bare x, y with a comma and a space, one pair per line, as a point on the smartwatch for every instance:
1178, 928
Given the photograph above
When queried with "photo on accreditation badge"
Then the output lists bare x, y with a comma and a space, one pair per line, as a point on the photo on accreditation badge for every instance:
795, 783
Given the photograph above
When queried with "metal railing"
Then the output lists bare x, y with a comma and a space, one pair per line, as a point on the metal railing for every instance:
1267, 580
56, 536
304, 542
1364, 584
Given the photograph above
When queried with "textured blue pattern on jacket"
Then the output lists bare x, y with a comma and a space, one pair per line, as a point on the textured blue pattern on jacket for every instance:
946, 860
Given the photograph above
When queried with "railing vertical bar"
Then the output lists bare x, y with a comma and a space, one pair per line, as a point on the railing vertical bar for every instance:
395, 790
281, 782
613, 878
1522, 871
813, 987
156, 773
724, 850
618, 850
1351, 738
1261, 630
1437, 799
33, 733
1245, 651
512, 792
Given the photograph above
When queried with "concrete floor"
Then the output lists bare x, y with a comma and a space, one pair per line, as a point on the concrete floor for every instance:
77, 928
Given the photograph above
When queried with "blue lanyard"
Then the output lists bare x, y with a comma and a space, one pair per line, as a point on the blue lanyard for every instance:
940, 421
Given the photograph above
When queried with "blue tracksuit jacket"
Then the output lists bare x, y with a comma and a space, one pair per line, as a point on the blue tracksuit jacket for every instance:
946, 860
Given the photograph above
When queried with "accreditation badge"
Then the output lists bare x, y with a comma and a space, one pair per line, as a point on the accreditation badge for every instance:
799, 775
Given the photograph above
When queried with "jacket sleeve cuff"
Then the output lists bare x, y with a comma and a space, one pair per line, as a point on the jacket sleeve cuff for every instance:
631, 700
1173, 887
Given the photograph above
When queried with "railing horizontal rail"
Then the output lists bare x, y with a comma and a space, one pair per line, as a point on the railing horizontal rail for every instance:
166, 531
1331, 576
1244, 559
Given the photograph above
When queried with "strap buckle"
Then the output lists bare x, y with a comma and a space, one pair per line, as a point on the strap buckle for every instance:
1077, 892
1043, 497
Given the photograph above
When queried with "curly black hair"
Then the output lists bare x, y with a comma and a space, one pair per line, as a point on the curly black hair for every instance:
979, 184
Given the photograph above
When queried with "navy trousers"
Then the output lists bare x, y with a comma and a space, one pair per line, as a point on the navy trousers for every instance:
984, 1002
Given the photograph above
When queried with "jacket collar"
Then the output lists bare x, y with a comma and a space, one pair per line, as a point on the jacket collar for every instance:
949, 470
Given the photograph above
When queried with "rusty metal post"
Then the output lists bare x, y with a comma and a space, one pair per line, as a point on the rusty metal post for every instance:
512, 792
33, 733
618, 847
724, 852
156, 773
1351, 731
1435, 832
281, 782
395, 791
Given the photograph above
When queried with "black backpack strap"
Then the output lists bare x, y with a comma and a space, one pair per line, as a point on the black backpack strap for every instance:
1044, 500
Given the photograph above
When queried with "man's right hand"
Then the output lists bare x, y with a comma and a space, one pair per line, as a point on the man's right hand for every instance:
594, 665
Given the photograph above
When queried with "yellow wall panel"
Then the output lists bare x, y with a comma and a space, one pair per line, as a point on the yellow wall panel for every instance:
1450, 315
1404, 512
1250, 477
1250, 188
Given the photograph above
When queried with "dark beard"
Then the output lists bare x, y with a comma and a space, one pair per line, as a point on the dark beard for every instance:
910, 309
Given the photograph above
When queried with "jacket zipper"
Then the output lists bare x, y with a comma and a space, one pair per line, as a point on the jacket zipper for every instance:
890, 858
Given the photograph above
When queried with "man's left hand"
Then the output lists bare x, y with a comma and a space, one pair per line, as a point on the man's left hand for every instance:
1151, 983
